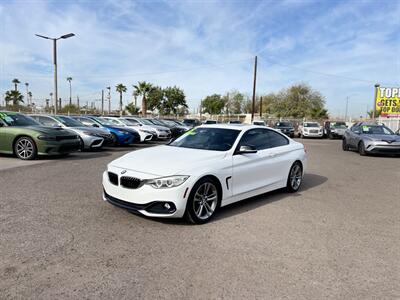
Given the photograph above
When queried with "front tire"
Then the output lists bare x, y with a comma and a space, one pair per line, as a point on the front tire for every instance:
345, 146
25, 148
203, 201
361, 149
295, 178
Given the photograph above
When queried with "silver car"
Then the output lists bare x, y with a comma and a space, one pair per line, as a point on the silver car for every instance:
91, 138
369, 138
162, 132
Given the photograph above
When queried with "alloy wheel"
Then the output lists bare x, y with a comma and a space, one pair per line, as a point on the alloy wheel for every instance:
295, 177
25, 148
205, 200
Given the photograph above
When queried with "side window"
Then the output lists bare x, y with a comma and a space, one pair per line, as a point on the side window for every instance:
255, 138
47, 121
276, 140
86, 121
133, 121
355, 128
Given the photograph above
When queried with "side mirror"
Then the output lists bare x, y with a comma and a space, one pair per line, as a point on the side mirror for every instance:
246, 150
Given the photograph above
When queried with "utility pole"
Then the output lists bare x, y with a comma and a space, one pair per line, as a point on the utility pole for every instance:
376, 95
260, 107
59, 105
102, 102
77, 101
109, 99
347, 105
254, 89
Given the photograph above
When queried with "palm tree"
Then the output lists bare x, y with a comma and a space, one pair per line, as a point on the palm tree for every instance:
15, 97
69, 79
120, 88
143, 88
16, 82
29, 97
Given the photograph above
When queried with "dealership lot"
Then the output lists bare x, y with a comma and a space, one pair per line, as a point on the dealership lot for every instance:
337, 238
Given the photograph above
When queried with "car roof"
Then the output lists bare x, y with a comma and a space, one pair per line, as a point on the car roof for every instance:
231, 126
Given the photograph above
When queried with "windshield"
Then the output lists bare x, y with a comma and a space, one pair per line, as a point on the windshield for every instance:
284, 124
311, 125
180, 123
189, 121
146, 122
69, 122
156, 122
216, 139
338, 125
170, 123
102, 121
376, 129
17, 120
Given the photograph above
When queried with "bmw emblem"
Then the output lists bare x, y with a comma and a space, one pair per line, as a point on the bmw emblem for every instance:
123, 172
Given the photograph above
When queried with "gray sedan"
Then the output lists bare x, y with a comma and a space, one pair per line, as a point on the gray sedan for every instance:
91, 138
370, 138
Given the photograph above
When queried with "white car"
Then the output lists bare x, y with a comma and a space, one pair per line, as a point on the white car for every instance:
208, 167
311, 129
259, 123
146, 134
161, 132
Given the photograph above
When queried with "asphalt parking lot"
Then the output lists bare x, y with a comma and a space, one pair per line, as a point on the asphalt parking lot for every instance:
338, 238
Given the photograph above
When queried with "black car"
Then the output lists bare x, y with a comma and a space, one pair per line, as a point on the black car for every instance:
176, 130
191, 122
285, 127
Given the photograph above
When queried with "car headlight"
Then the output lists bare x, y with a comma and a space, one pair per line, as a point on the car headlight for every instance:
122, 132
89, 133
147, 131
166, 182
46, 138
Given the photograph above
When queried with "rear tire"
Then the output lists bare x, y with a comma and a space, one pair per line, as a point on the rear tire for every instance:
345, 147
203, 201
25, 148
361, 149
295, 178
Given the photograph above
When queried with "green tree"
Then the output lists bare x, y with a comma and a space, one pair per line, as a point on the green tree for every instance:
298, 101
237, 102
174, 99
69, 79
213, 104
120, 88
154, 99
142, 89
132, 109
15, 81
13, 96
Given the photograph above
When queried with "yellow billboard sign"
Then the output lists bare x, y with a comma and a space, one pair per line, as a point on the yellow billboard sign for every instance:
387, 101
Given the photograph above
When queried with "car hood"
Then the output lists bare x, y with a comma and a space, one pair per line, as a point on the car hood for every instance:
382, 137
159, 127
166, 160
47, 130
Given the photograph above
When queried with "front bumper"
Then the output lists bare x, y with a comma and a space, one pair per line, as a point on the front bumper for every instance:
57, 148
91, 142
390, 149
145, 198
313, 134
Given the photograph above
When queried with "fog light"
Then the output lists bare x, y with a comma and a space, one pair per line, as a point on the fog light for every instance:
167, 206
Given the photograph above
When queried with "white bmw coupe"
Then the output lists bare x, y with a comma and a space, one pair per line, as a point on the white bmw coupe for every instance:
208, 167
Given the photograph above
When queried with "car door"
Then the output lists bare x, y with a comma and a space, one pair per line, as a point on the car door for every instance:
3, 144
252, 171
353, 137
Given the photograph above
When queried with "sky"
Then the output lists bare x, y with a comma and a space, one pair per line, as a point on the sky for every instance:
340, 48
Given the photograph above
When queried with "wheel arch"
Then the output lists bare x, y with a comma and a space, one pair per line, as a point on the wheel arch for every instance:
217, 181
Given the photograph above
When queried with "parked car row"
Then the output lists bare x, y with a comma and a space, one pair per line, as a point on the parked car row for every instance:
28, 136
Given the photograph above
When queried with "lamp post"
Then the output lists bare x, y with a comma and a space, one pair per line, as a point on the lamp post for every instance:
109, 99
65, 36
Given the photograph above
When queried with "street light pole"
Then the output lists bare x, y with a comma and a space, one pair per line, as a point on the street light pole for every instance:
109, 99
65, 36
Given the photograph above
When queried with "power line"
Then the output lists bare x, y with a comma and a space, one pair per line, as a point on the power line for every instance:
274, 62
